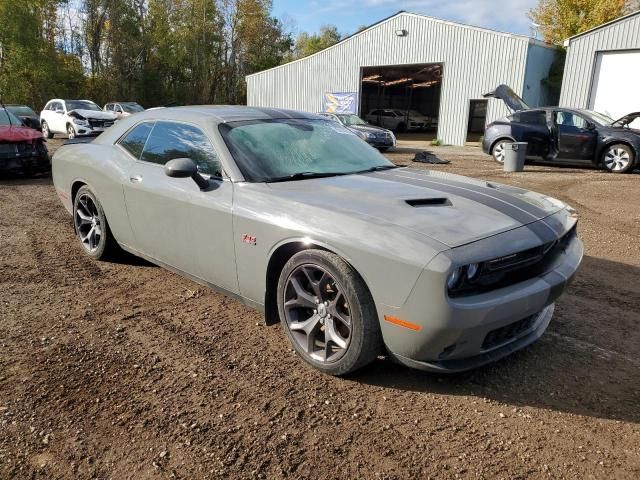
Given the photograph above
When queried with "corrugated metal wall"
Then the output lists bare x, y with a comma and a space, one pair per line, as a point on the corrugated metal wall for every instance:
581, 57
475, 61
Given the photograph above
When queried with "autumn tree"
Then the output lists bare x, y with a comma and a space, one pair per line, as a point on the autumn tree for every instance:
558, 20
307, 44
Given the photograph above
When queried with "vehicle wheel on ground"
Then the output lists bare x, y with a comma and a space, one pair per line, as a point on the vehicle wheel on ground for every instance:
91, 225
401, 127
71, 132
383, 149
328, 313
618, 158
497, 152
45, 130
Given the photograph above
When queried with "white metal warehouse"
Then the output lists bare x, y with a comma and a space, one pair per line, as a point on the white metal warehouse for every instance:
602, 69
437, 68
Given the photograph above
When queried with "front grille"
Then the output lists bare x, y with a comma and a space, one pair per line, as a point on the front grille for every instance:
100, 123
502, 335
7, 148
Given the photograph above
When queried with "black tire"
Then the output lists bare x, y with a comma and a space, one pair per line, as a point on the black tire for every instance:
401, 127
106, 246
383, 149
617, 166
46, 131
365, 342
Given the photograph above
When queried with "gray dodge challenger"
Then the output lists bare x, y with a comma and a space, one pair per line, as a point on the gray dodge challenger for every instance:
293, 214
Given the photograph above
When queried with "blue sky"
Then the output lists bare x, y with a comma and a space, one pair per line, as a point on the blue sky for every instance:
348, 15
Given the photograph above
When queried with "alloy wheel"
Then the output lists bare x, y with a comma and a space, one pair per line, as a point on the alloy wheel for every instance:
87, 222
317, 313
45, 129
617, 159
71, 132
498, 152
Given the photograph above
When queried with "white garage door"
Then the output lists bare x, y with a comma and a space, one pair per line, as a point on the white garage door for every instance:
615, 83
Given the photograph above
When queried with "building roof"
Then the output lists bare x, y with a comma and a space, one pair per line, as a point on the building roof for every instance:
604, 25
426, 17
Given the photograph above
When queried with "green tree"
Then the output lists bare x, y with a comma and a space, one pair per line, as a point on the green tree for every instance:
307, 44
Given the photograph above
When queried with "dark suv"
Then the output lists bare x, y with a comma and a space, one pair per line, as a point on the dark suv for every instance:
564, 134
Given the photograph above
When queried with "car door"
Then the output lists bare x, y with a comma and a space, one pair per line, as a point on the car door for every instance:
531, 126
173, 221
117, 109
56, 119
576, 139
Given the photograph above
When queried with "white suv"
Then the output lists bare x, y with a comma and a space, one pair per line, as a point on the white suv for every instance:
74, 118
394, 120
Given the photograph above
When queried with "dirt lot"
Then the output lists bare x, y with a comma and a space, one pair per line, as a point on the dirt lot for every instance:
124, 370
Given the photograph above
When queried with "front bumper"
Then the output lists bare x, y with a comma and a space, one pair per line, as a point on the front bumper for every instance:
25, 163
461, 333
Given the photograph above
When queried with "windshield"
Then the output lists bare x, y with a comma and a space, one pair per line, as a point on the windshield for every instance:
22, 111
8, 118
131, 107
82, 105
349, 120
266, 150
596, 117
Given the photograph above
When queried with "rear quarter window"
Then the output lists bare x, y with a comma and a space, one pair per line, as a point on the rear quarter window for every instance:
133, 142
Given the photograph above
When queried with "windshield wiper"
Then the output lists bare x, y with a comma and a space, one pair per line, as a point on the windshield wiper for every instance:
378, 168
304, 176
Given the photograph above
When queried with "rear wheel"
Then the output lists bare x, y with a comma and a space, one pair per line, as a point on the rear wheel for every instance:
45, 130
618, 158
91, 225
497, 152
327, 312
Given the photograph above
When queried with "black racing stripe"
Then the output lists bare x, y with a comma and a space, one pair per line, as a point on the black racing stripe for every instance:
541, 230
506, 197
501, 206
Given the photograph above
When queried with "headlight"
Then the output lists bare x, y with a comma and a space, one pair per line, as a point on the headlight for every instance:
472, 271
454, 277
78, 121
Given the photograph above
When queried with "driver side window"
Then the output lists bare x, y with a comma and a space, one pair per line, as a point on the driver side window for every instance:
569, 119
171, 140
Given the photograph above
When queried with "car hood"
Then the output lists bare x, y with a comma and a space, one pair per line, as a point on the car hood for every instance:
626, 120
450, 209
18, 134
368, 128
94, 114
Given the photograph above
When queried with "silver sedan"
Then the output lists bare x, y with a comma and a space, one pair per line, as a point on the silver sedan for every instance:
294, 214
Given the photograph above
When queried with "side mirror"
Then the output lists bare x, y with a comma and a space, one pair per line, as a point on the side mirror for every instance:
591, 126
184, 168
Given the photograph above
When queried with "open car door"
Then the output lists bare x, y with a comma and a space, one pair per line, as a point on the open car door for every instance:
509, 97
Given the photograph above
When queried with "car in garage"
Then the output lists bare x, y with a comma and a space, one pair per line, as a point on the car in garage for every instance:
563, 135
123, 109
377, 137
293, 214
395, 120
75, 118
22, 149
26, 114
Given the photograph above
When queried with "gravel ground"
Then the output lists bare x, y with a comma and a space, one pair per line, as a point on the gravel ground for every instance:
124, 370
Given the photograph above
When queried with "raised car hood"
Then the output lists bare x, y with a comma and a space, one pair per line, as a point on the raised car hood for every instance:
451, 209
18, 134
94, 114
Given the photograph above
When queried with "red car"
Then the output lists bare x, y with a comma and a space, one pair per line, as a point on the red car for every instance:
22, 149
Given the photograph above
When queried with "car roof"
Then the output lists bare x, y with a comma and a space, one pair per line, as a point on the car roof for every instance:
224, 113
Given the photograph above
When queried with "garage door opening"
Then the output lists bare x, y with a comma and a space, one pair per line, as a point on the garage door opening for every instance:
614, 91
477, 120
403, 98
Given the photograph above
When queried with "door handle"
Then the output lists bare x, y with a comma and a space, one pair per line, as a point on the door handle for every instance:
136, 179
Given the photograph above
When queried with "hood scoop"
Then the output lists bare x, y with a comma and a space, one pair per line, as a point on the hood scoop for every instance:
429, 202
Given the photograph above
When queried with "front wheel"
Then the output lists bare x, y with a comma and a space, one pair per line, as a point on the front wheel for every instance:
71, 132
618, 158
91, 225
497, 152
327, 312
